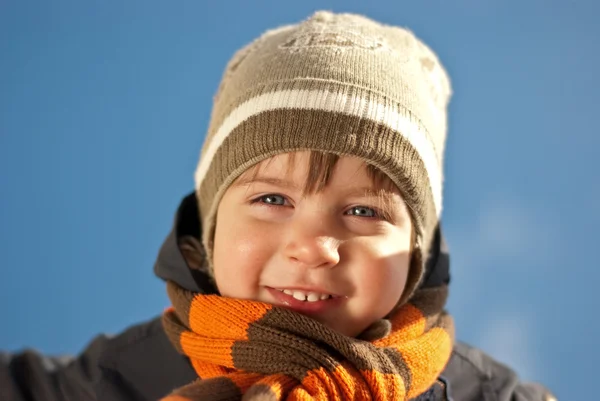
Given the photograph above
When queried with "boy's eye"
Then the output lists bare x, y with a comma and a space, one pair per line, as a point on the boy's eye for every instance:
362, 211
276, 200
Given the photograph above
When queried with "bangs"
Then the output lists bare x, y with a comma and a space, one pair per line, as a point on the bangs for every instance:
321, 166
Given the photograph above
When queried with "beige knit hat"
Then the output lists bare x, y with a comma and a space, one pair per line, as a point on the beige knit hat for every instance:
336, 83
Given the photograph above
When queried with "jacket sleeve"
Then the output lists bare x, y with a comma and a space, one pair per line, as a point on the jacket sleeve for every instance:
474, 376
508, 387
30, 376
531, 392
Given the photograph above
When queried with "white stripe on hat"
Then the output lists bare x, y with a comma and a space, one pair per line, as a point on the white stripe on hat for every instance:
340, 102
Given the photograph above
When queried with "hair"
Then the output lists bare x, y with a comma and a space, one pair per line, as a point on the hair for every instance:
321, 167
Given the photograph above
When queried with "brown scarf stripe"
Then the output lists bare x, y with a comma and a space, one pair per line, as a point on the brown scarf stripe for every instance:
430, 301
174, 328
183, 303
311, 357
288, 336
302, 333
254, 350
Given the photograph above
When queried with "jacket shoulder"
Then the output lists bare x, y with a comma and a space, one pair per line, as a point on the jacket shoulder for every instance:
30, 375
473, 375
138, 364
141, 364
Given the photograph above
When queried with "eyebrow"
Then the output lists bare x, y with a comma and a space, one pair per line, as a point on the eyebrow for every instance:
245, 181
367, 192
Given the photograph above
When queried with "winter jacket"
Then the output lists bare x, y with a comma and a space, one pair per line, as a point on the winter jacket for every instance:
141, 363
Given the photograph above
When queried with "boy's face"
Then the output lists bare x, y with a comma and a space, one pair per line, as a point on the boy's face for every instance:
274, 244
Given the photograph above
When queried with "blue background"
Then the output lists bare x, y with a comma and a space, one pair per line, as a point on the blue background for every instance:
103, 110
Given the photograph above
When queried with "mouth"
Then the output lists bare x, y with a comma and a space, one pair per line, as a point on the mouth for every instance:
305, 301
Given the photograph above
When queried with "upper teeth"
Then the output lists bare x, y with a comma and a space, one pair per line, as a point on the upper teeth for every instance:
306, 296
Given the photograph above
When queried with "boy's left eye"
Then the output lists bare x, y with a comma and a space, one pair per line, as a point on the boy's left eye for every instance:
362, 211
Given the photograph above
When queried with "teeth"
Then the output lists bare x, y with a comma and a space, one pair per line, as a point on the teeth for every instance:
312, 297
299, 295
306, 296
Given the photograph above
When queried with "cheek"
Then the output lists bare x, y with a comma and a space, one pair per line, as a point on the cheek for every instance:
387, 277
383, 279
240, 251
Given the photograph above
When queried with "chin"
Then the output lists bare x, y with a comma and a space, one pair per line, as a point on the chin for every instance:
343, 329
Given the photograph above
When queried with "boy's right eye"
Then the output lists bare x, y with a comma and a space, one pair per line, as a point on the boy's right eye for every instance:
272, 199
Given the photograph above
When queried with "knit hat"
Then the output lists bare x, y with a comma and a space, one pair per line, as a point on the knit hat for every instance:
336, 83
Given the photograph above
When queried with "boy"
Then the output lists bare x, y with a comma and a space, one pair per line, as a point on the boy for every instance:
309, 263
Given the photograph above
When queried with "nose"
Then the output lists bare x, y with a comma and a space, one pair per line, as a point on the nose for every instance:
309, 244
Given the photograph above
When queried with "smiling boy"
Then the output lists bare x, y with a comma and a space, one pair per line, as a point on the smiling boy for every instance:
340, 254
308, 263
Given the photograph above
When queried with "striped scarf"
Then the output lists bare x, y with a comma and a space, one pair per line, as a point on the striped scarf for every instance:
258, 351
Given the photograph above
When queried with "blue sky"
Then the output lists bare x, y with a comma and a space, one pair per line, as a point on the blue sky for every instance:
103, 110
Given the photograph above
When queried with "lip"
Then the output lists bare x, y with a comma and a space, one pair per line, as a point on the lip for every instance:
305, 307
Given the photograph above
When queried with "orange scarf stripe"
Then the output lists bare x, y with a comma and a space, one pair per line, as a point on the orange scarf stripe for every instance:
387, 386
249, 348
225, 315
208, 370
354, 384
323, 385
210, 350
430, 361
408, 323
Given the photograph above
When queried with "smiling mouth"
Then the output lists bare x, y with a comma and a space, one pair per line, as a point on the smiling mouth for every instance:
307, 302
306, 296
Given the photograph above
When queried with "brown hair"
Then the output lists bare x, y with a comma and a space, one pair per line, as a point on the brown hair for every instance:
321, 166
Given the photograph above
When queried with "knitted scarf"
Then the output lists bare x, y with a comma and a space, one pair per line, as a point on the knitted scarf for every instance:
254, 351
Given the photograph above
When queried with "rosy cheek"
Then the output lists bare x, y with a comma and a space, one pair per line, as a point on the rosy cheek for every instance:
386, 279
244, 247
251, 241
249, 251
